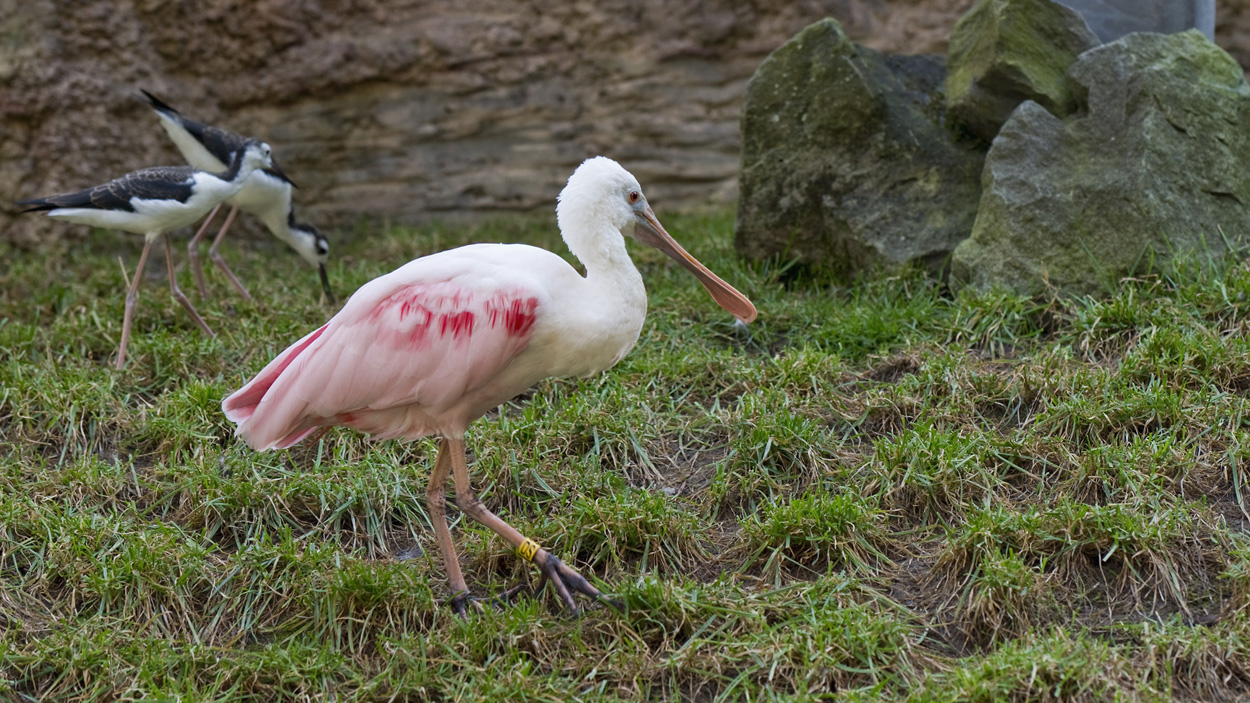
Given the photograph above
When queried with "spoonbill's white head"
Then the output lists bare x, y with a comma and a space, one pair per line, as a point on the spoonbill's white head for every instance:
601, 192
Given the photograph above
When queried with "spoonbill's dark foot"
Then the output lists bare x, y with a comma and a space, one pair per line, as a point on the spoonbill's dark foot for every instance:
460, 602
509, 596
567, 581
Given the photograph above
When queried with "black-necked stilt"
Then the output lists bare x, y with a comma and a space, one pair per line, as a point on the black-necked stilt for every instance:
267, 195
152, 202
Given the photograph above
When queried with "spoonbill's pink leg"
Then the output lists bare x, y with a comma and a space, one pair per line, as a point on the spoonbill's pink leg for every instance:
435, 496
560, 575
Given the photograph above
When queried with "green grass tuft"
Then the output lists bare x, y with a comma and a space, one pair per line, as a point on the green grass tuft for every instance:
885, 491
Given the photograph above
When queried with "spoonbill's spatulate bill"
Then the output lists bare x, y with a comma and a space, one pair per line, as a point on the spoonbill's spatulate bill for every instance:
266, 194
432, 346
153, 202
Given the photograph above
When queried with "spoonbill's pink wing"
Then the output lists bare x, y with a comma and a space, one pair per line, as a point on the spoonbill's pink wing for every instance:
397, 361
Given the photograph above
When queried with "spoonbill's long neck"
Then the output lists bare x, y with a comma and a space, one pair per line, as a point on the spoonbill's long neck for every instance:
601, 249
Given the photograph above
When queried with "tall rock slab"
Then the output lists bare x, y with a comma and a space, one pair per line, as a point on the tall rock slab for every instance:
1004, 52
846, 163
1153, 166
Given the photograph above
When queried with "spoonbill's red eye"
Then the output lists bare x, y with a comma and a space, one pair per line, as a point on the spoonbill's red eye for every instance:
634, 196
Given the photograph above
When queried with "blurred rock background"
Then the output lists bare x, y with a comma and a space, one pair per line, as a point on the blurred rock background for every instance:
417, 110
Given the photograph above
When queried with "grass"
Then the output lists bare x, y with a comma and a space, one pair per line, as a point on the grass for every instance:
886, 491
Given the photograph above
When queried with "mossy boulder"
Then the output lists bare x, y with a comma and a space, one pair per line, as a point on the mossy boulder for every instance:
845, 161
1003, 52
1152, 169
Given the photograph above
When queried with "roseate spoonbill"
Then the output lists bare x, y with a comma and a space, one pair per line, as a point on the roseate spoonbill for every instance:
152, 202
432, 346
267, 195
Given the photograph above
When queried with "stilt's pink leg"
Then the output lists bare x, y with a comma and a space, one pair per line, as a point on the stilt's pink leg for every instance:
221, 263
132, 296
175, 291
193, 251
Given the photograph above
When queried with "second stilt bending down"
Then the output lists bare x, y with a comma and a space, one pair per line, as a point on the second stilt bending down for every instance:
266, 194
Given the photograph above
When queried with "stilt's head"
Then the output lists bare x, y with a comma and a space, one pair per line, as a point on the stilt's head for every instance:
601, 192
314, 248
254, 154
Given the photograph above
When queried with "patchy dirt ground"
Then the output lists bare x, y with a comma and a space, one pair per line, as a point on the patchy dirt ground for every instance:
888, 491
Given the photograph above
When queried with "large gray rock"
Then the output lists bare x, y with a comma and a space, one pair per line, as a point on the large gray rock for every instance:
845, 161
1152, 168
1004, 52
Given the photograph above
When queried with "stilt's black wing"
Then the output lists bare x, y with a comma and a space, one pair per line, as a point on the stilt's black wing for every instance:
156, 183
221, 143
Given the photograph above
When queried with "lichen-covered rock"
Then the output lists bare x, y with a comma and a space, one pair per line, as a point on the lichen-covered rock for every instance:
845, 162
1004, 52
1153, 167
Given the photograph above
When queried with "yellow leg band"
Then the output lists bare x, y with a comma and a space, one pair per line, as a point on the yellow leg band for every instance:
528, 549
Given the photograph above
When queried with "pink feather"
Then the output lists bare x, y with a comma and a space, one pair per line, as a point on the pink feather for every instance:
414, 353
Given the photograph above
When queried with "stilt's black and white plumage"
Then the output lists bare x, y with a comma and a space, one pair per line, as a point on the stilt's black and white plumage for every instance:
267, 195
153, 202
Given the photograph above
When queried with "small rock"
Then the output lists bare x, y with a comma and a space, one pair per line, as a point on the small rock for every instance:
1004, 52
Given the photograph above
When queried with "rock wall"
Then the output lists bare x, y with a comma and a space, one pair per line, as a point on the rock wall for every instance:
416, 110
405, 110
1232, 29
